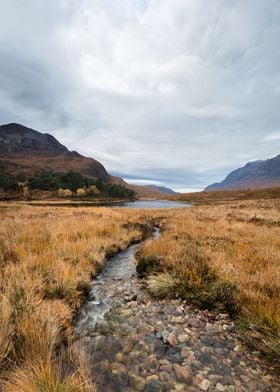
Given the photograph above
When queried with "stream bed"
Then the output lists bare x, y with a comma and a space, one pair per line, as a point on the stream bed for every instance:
135, 343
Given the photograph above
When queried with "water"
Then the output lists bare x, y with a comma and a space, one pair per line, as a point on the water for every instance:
125, 335
141, 204
138, 204
114, 286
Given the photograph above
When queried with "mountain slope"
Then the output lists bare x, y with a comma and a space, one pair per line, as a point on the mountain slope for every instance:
15, 138
25, 150
145, 191
257, 174
162, 189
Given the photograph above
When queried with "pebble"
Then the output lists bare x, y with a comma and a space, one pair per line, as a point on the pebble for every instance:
183, 338
153, 384
155, 346
172, 340
183, 374
137, 382
204, 385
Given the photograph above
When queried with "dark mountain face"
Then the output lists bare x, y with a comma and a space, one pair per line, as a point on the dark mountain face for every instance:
15, 138
258, 174
25, 150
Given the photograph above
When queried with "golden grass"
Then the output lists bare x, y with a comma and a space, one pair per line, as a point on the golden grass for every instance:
223, 254
47, 259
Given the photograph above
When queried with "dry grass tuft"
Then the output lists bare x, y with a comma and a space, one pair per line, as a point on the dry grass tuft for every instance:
47, 259
223, 255
46, 377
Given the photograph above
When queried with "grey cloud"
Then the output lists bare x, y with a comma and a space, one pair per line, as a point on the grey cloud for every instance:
178, 92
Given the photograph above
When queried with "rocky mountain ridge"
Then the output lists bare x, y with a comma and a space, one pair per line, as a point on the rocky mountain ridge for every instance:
258, 174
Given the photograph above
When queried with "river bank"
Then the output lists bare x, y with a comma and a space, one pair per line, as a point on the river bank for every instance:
136, 343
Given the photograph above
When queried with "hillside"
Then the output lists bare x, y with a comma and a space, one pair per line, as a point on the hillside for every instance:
25, 151
145, 191
257, 174
222, 196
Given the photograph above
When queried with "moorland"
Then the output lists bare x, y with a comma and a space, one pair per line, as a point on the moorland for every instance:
221, 256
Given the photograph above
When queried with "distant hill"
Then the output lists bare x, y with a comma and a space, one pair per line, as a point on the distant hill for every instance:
145, 191
26, 151
256, 175
162, 189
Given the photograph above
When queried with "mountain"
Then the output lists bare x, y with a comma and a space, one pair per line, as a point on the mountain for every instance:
257, 174
26, 151
145, 191
162, 189
17, 139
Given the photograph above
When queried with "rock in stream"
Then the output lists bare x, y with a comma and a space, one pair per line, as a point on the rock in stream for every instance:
135, 343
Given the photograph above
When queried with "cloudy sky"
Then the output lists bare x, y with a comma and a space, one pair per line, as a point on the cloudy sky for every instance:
173, 92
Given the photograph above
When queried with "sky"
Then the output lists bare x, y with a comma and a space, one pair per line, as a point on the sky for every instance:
169, 92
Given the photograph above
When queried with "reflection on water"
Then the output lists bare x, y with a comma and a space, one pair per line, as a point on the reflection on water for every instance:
154, 204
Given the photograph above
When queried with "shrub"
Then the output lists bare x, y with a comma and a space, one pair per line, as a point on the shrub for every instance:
64, 193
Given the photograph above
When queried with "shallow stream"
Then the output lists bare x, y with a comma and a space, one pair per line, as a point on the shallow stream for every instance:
135, 343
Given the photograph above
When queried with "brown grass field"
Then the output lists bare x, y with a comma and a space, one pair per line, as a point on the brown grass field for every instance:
47, 258
224, 256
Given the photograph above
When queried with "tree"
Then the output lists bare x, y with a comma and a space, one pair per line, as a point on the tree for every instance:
93, 190
81, 192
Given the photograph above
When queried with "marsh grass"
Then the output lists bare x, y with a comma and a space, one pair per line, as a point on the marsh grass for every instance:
47, 259
223, 256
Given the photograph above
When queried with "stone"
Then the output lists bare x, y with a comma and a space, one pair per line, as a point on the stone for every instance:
190, 359
183, 338
164, 362
177, 320
119, 375
119, 357
164, 376
146, 329
185, 352
152, 361
166, 368
172, 339
220, 387
164, 336
153, 384
205, 358
179, 388
137, 382
204, 385
239, 349
215, 378
182, 373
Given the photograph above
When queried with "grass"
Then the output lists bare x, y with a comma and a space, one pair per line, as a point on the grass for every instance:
223, 196
224, 256
47, 259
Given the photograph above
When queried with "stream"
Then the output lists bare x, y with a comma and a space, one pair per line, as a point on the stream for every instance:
135, 343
